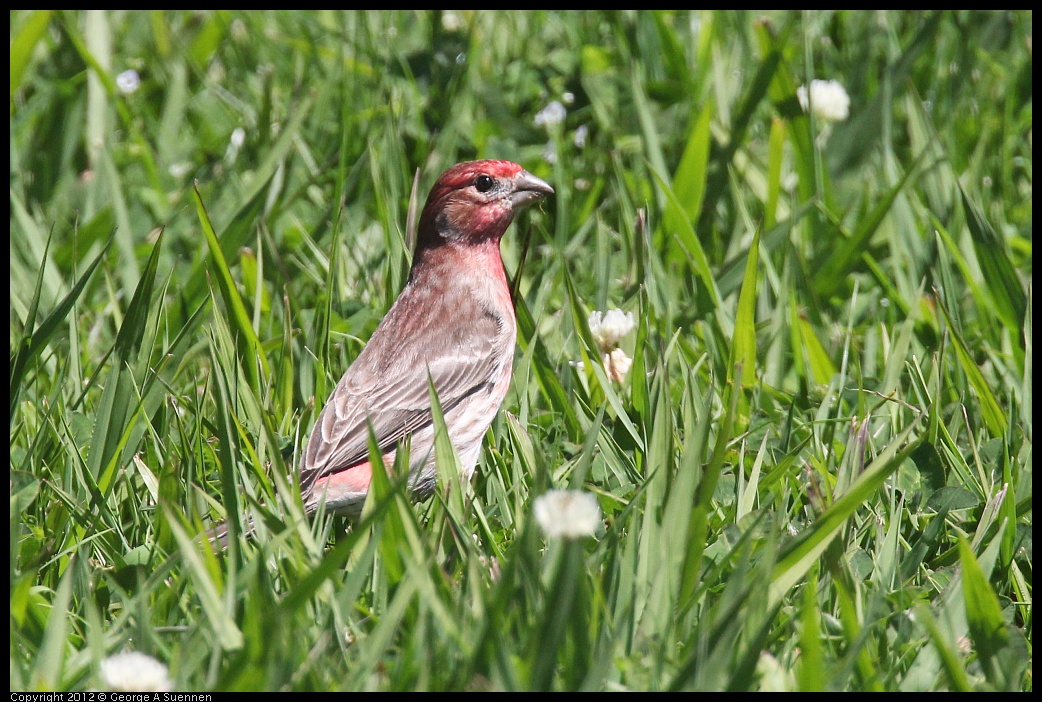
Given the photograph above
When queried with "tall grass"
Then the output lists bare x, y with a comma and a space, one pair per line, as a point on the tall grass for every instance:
816, 476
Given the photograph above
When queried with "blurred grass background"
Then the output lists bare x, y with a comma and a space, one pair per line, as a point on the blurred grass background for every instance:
817, 475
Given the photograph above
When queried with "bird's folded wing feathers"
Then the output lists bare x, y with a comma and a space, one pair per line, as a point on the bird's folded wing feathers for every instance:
397, 402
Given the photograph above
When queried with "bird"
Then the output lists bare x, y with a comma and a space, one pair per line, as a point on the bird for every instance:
452, 325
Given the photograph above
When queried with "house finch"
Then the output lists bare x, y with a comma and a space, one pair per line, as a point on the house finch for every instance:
453, 324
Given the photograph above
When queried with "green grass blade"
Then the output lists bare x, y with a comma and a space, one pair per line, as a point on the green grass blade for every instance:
33, 342
218, 617
250, 351
837, 264
743, 344
120, 392
689, 181
1000, 277
984, 617
798, 557
954, 668
685, 234
23, 43
50, 658
548, 380
993, 416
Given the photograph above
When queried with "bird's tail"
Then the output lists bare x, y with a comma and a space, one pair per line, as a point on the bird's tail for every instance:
219, 535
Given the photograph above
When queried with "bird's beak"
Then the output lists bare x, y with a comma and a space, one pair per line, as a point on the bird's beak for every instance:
528, 189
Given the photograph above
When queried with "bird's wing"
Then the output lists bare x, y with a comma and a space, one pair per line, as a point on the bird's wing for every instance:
395, 399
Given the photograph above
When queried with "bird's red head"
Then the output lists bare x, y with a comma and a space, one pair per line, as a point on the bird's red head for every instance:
475, 201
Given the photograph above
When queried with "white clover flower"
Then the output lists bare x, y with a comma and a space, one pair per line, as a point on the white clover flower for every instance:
131, 671
773, 676
567, 514
617, 364
452, 21
608, 327
128, 81
239, 30
550, 152
827, 98
180, 169
235, 142
552, 114
580, 136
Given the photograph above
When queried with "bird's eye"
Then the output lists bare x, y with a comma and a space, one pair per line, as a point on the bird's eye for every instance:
484, 183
